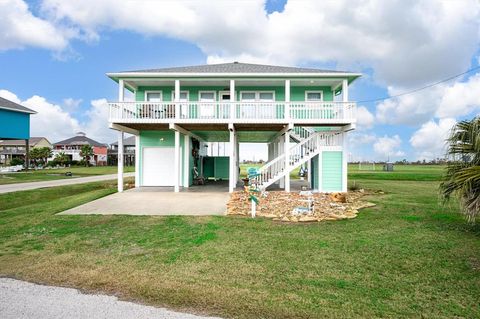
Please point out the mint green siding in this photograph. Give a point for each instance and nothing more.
(332, 163)
(216, 167)
(162, 139)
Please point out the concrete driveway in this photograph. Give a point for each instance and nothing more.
(153, 201)
(8, 188)
(24, 300)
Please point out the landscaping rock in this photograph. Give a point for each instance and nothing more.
(280, 206)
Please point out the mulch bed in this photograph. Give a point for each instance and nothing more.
(280, 206)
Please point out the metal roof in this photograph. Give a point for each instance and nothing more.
(12, 106)
(80, 140)
(32, 141)
(235, 68)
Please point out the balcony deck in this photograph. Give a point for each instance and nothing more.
(299, 113)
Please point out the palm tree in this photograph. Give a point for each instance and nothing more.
(61, 158)
(463, 171)
(86, 152)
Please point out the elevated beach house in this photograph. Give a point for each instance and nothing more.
(303, 114)
(15, 123)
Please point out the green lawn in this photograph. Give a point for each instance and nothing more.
(53, 174)
(406, 257)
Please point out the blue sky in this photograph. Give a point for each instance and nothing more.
(54, 55)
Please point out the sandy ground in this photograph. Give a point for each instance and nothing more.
(20, 299)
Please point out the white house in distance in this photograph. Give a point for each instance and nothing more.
(303, 114)
(72, 147)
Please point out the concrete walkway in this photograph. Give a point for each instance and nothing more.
(153, 201)
(24, 300)
(8, 188)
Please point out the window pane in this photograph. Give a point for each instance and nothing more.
(183, 96)
(314, 96)
(266, 96)
(248, 96)
(153, 96)
(207, 96)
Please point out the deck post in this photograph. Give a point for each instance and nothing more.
(344, 162)
(176, 164)
(237, 164)
(186, 163)
(137, 160)
(177, 99)
(232, 160)
(287, 161)
(345, 90)
(232, 99)
(287, 99)
(27, 155)
(281, 149)
(120, 162)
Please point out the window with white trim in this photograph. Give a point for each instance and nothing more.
(153, 96)
(314, 96)
(257, 96)
(206, 96)
(183, 96)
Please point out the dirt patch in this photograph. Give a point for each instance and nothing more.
(297, 207)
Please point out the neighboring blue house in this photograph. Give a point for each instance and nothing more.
(14, 122)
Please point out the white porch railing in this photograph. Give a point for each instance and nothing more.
(154, 112)
(298, 154)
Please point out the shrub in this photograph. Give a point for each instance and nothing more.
(17, 161)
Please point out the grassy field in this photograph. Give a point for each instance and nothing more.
(53, 174)
(408, 257)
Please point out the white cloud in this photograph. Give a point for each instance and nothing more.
(429, 140)
(461, 98)
(53, 122)
(21, 28)
(388, 147)
(71, 105)
(407, 42)
(442, 101)
(365, 119)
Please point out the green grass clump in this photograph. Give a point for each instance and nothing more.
(406, 257)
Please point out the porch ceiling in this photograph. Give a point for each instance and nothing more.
(243, 136)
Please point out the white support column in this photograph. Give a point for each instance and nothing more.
(186, 161)
(237, 168)
(344, 163)
(281, 149)
(121, 90)
(345, 90)
(287, 161)
(287, 99)
(137, 160)
(120, 162)
(232, 99)
(177, 99)
(176, 164)
(231, 178)
(309, 171)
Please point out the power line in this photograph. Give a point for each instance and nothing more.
(420, 88)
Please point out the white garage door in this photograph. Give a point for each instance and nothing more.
(158, 166)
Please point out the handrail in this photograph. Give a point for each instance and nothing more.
(298, 154)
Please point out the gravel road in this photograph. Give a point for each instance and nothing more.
(20, 299)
